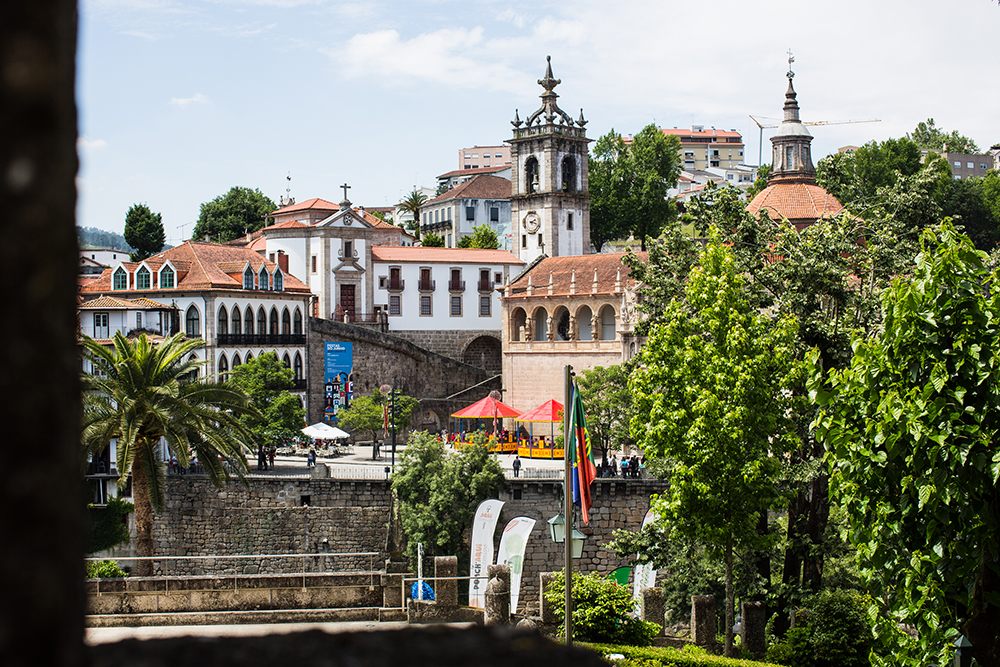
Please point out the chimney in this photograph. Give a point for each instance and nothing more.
(283, 261)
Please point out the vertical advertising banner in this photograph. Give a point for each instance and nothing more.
(483, 526)
(643, 574)
(511, 551)
(338, 378)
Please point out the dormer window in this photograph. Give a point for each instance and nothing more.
(248, 278)
(279, 281)
(142, 278)
(166, 278)
(264, 281)
(120, 279)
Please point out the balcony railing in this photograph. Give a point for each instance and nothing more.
(485, 286)
(396, 285)
(260, 339)
(300, 384)
(426, 285)
(456, 285)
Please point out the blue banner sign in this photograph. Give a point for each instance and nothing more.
(338, 378)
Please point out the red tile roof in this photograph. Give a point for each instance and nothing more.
(682, 132)
(201, 266)
(796, 202)
(106, 302)
(314, 203)
(479, 187)
(471, 172)
(560, 270)
(444, 255)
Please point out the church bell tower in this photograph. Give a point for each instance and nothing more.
(550, 195)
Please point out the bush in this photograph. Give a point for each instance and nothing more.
(649, 656)
(836, 632)
(104, 569)
(108, 524)
(602, 610)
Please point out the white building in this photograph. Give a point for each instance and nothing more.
(105, 256)
(482, 200)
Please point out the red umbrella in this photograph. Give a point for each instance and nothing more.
(549, 411)
(487, 408)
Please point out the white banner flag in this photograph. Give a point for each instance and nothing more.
(483, 526)
(643, 574)
(511, 551)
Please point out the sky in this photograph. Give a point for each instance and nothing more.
(179, 100)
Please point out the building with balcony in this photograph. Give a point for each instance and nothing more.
(701, 148)
(482, 200)
(241, 304)
(450, 179)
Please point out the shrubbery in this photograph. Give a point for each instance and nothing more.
(835, 632)
(690, 656)
(104, 569)
(602, 610)
(108, 524)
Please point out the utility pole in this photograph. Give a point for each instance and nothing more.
(392, 422)
(568, 505)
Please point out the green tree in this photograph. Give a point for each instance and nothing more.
(763, 173)
(144, 231)
(366, 413)
(929, 136)
(710, 401)
(432, 240)
(603, 610)
(439, 490)
(411, 204)
(911, 428)
(232, 215)
(140, 393)
(629, 183)
(482, 236)
(855, 177)
(279, 415)
(605, 393)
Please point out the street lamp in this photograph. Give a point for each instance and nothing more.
(557, 528)
(577, 543)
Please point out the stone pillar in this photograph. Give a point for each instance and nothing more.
(544, 608)
(446, 591)
(497, 595)
(703, 619)
(651, 606)
(752, 630)
(392, 592)
(319, 471)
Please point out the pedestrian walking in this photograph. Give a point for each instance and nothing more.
(270, 457)
(624, 466)
(634, 467)
(517, 466)
(614, 466)
(261, 460)
(311, 458)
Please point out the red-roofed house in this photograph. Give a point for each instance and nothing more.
(241, 304)
(482, 200)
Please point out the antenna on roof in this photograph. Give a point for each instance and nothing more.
(287, 198)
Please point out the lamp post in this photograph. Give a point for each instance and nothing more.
(568, 504)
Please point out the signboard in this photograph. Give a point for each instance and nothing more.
(338, 379)
(512, 545)
(483, 526)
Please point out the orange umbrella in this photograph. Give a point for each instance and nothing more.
(487, 408)
(549, 411)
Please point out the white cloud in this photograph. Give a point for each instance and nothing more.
(85, 144)
(508, 15)
(197, 98)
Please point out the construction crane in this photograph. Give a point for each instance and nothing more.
(759, 121)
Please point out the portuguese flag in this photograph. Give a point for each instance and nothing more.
(581, 456)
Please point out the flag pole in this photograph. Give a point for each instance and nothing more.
(568, 502)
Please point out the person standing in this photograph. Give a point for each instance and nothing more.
(311, 458)
(624, 466)
(614, 466)
(270, 457)
(517, 466)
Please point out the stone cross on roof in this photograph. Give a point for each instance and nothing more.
(347, 202)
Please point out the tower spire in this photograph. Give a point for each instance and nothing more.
(792, 159)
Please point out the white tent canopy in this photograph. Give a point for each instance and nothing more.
(323, 431)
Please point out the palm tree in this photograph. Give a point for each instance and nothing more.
(140, 392)
(412, 204)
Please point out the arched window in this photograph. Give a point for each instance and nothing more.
(248, 278)
(194, 360)
(264, 280)
(261, 321)
(541, 322)
(192, 322)
(789, 157)
(517, 322)
(237, 321)
(120, 280)
(531, 183)
(286, 360)
(607, 317)
(166, 278)
(568, 183)
(249, 357)
(236, 360)
(223, 327)
(297, 366)
(223, 367)
(274, 321)
(584, 323)
(248, 320)
(143, 278)
(560, 320)
(279, 281)
(297, 322)
(286, 322)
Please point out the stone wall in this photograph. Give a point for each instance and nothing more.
(477, 348)
(268, 518)
(382, 358)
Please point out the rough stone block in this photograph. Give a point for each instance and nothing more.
(752, 630)
(447, 589)
(497, 595)
(545, 609)
(651, 606)
(703, 619)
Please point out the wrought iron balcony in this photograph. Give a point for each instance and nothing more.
(260, 339)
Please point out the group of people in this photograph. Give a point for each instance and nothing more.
(265, 457)
(629, 467)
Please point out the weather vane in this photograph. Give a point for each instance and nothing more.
(791, 59)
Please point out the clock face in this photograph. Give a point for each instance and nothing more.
(531, 222)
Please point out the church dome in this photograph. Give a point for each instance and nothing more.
(800, 203)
